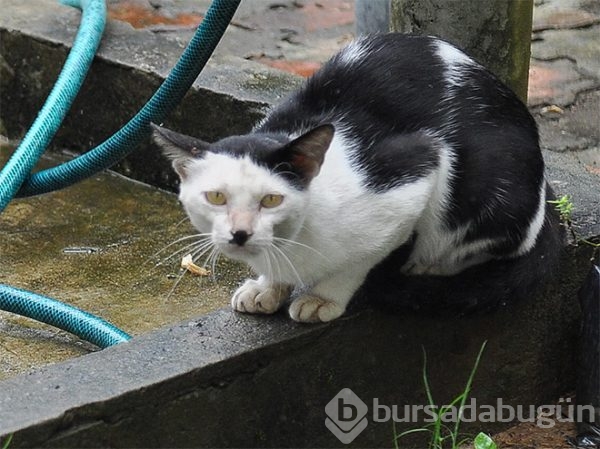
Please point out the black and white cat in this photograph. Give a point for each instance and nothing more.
(398, 140)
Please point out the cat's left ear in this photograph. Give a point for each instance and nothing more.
(179, 148)
(308, 150)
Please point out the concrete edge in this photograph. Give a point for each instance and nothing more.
(158, 357)
(270, 378)
(141, 49)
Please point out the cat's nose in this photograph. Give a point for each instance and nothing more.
(240, 237)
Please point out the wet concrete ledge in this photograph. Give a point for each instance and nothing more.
(232, 380)
(228, 380)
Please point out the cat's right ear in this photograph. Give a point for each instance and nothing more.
(308, 150)
(179, 148)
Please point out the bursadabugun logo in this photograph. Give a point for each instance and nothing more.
(346, 415)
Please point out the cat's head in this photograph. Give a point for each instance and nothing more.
(246, 190)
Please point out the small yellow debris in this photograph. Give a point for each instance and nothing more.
(188, 264)
(552, 109)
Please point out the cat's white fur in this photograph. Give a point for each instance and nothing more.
(324, 240)
(328, 262)
(535, 227)
(354, 53)
(456, 63)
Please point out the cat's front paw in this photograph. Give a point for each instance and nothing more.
(255, 297)
(314, 309)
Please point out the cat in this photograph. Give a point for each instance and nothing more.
(398, 141)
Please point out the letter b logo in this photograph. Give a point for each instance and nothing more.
(349, 412)
(346, 415)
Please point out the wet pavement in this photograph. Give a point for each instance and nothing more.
(297, 36)
(564, 96)
(565, 51)
(94, 246)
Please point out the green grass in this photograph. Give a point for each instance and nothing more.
(442, 436)
(6, 443)
(483, 441)
(565, 207)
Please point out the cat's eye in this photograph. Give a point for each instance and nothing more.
(216, 198)
(271, 200)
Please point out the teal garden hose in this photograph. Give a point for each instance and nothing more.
(15, 178)
(168, 95)
(58, 102)
(50, 311)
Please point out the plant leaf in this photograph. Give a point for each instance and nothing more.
(467, 390)
(7, 442)
(483, 441)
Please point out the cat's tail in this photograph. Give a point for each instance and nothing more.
(482, 287)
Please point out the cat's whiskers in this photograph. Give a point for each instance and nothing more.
(180, 222)
(280, 241)
(279, 252)
(213, 266)
(277, 281)
(313, 233)
(211, 260)
(270, 274)
(189, 249)
(179, 278)
(201, 237)
(278, 265)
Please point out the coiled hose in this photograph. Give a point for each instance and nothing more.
(13, 176)
(168, 95)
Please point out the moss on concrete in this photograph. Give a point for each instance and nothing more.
(269, 81)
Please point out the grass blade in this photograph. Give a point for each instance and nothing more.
(467, 389)
(7, 442)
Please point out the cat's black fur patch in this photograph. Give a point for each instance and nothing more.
(493, 138)
(266, 150)
(398, 159)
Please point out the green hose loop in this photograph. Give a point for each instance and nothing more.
(156, 109)
(59, 100)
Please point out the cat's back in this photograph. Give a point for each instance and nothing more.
(376, 75)
(366, 81)
(400, 83)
